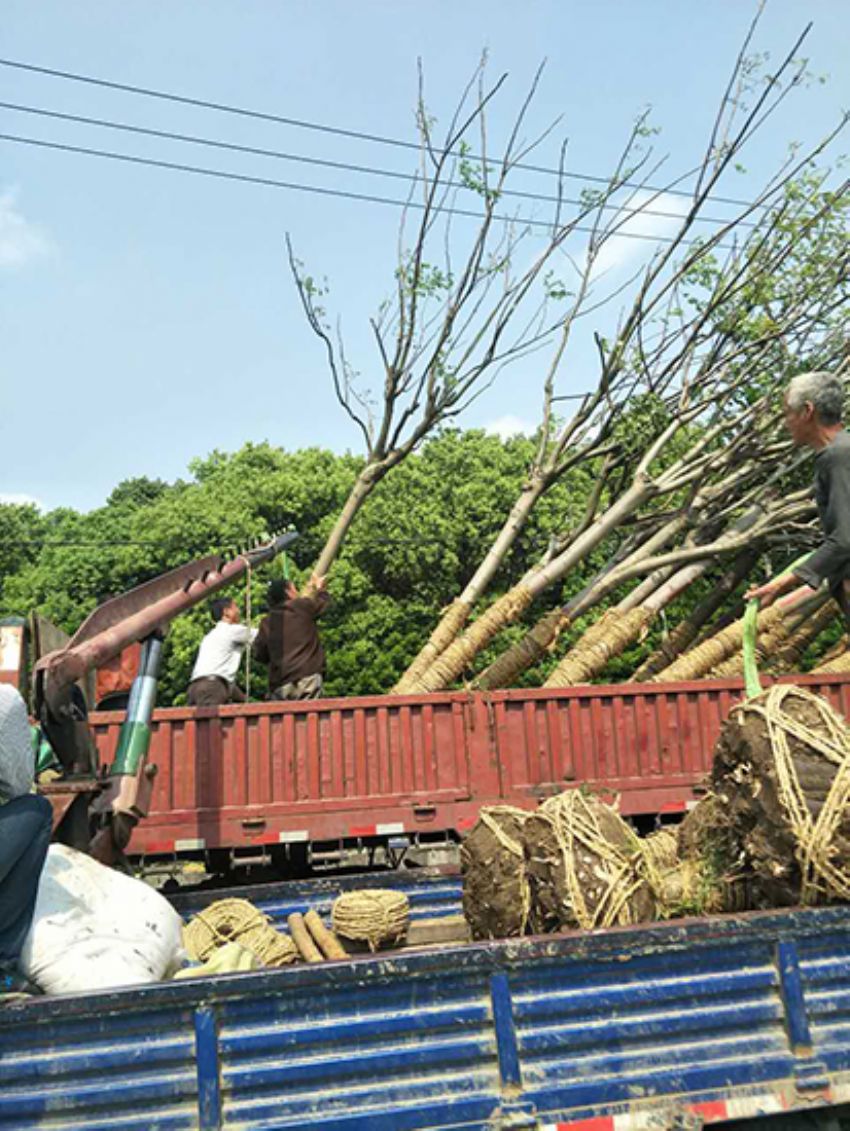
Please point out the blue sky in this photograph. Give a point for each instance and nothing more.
(148, 317)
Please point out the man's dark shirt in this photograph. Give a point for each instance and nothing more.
(288, 640)
(831, 560)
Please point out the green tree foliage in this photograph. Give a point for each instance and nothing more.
(416, 543)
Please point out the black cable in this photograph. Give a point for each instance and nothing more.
(344, 166)
(270, 182)
(241, 111)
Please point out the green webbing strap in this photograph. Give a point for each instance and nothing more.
(752, 683)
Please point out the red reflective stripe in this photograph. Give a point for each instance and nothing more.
(160, 846)
(362, 830)
(596, 1123)
(711, 1109)
(674, 807)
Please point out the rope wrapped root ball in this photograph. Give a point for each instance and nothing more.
(586, 866)
(495, 886)
(237, 920)
(377, 917)
(781, 774)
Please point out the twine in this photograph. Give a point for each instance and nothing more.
(458, 655)
(695, 663)
(377, 917)
(237, 920)
(574, 820)
(607, 637)
(488, 817)
(814, 849)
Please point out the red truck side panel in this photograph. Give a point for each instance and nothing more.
(269, 773)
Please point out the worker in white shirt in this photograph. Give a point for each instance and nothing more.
(213, 679)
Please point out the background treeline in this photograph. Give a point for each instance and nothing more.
(414, 546)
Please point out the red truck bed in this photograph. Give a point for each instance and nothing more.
(378, 766)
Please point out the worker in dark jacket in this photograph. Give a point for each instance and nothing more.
(25, 824)
(288, 640)
(814, 410)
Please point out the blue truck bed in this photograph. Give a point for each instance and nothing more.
(690, 1021)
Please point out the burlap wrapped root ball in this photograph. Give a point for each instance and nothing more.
(237, 920)
(586, 867)
(495, 886)
(378, 917)
(781, 776)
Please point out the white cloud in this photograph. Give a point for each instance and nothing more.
(19, 499)
(21, 241)
(622, 249)
(507, 426)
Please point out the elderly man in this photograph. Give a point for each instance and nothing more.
(25, 825)
(814, 408)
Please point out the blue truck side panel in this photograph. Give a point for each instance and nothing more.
(513, 1034)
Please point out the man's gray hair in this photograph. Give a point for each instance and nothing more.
(822, 390)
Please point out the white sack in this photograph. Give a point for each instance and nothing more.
(95, 928)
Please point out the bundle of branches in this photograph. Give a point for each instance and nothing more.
(781, 779)
(496, 900)
(586, 866)
(469, 299)
(700, 335)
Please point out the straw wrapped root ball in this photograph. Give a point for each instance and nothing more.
(495, 887)
(781, 775)
(586, 866)
(237, 920)
(375, 917)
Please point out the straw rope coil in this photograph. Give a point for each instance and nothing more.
(237, 920)
(377, 917)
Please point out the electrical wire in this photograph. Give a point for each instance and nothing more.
(319, 162)
(345, 194)
(320, 127)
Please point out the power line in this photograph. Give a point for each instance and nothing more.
(345, 194)
(298, 123)
(344, 166)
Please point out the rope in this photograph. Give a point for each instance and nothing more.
(514, 847)
(248, 584)
(237, 920)
(575, 820)
(378, 917)
(815, 850)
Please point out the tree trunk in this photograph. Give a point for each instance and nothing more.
(685, 632)
(607, 637)
(836, 660)
(527, 652)
(364, 485)
(790, 653)
(714, 651)
(457, 613)
(462, 651)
